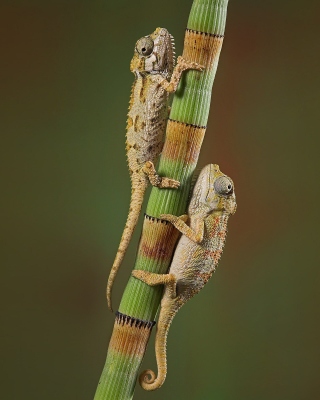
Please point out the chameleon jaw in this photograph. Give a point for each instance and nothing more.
(230, 207)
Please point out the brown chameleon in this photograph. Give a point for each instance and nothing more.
(195, 259)
(155, 77)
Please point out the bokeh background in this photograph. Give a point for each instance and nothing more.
(253, 332)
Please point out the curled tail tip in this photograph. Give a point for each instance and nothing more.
(149, 381)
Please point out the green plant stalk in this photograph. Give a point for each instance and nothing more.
(185, 132)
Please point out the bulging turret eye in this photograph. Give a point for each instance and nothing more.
(144, 46)
(223, 186)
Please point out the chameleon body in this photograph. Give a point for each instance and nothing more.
(195, 259)
(155, 77)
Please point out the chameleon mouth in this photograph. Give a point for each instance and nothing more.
(228, 208)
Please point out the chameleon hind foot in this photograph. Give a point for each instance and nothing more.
(159, 181)
(152, 279)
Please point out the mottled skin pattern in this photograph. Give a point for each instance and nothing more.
(155, 77)
(195, 259)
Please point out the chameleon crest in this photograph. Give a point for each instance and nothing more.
(195, 259)
(155, 77)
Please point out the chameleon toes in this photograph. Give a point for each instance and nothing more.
(147, 277)
(175, 184)
(169, 183)
(198, 67)
(138, 274)
(185, 64)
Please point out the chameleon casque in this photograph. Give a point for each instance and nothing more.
(195, 258)
(155, 77)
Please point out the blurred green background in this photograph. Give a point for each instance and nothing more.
(253, 332)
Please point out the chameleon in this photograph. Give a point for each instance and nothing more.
(195, 259)
(155, 78)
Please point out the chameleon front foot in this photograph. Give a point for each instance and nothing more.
(182, 65)
(179, 223)
(174, 219)
(185, 64)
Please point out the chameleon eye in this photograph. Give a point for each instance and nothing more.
(223, 186)
(144, 46)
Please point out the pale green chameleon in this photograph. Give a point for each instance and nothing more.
(195, 258)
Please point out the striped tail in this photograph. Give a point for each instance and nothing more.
(136, 201)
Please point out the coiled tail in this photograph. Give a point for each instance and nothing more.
(148, 379)
(136, 201)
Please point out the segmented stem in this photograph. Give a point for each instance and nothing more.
(184, 136)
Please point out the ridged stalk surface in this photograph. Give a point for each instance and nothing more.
(184, 136)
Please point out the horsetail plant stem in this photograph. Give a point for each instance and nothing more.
(184, 135)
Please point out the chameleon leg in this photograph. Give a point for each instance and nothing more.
(156, 180)
(195, 235)
(152, 279)
(182, 65)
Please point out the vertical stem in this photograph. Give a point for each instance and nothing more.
(184, 136)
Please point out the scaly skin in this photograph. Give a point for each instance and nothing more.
(153, 65)
(195, 259)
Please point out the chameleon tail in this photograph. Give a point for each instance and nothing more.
(136, 201)
(148, 379)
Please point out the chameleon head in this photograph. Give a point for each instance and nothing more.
(213, 191)
(154, 54)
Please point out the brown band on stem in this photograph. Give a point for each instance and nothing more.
(123, 319)
(202, 48)
(183, 142)
(130, 335)
(157, 239)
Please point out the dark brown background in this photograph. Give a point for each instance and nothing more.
(253, 333)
